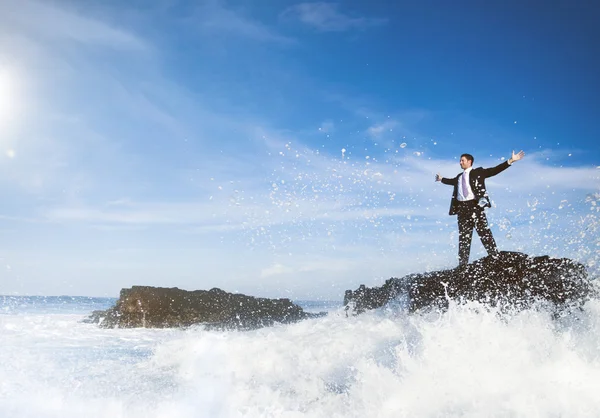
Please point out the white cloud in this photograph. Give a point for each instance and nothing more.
(215, 17)
(275, 270)
(319, 188)
(331, 265)
(378, 130)
(327, 127)
(49, 22)
(327, 17)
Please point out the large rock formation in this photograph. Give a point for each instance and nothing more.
(509, 279)
(155, 307)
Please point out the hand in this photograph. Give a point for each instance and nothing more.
(438, 177)
(516, 157)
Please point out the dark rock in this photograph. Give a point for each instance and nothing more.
(509, 279)
(156, 307)
(95, 317)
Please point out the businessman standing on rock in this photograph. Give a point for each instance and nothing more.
(469, 200)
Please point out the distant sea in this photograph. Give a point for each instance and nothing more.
(470, 361)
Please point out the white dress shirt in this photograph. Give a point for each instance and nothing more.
(470, 195)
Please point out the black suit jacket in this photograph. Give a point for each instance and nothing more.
(476, 181)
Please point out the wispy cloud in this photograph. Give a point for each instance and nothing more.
(327, 17)
(49, 22)
(327, 127)
(275, 269)
(299, 185)
(378, 130)
(215, 17)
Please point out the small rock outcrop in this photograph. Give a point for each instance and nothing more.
(509, 279)
(156, 307)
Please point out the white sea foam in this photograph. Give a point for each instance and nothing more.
(467, 362)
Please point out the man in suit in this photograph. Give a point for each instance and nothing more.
(469, 200)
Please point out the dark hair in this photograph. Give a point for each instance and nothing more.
(468, 157)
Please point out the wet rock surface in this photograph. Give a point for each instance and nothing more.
(511, 278)
(156, 307)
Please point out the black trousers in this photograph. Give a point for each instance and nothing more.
(470, 215)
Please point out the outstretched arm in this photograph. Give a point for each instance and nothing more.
(516, 157)
(444, 180)
(489, 172)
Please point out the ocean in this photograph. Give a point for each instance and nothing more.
(470, 361)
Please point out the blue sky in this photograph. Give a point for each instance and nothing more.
(286, 149)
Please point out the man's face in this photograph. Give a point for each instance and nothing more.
(464, 163)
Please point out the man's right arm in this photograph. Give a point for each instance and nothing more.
(444, 180)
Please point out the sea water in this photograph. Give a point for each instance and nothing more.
(470, 361)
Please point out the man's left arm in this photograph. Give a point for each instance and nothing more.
(489, 172)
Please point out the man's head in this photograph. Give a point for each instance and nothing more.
(466, 161)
